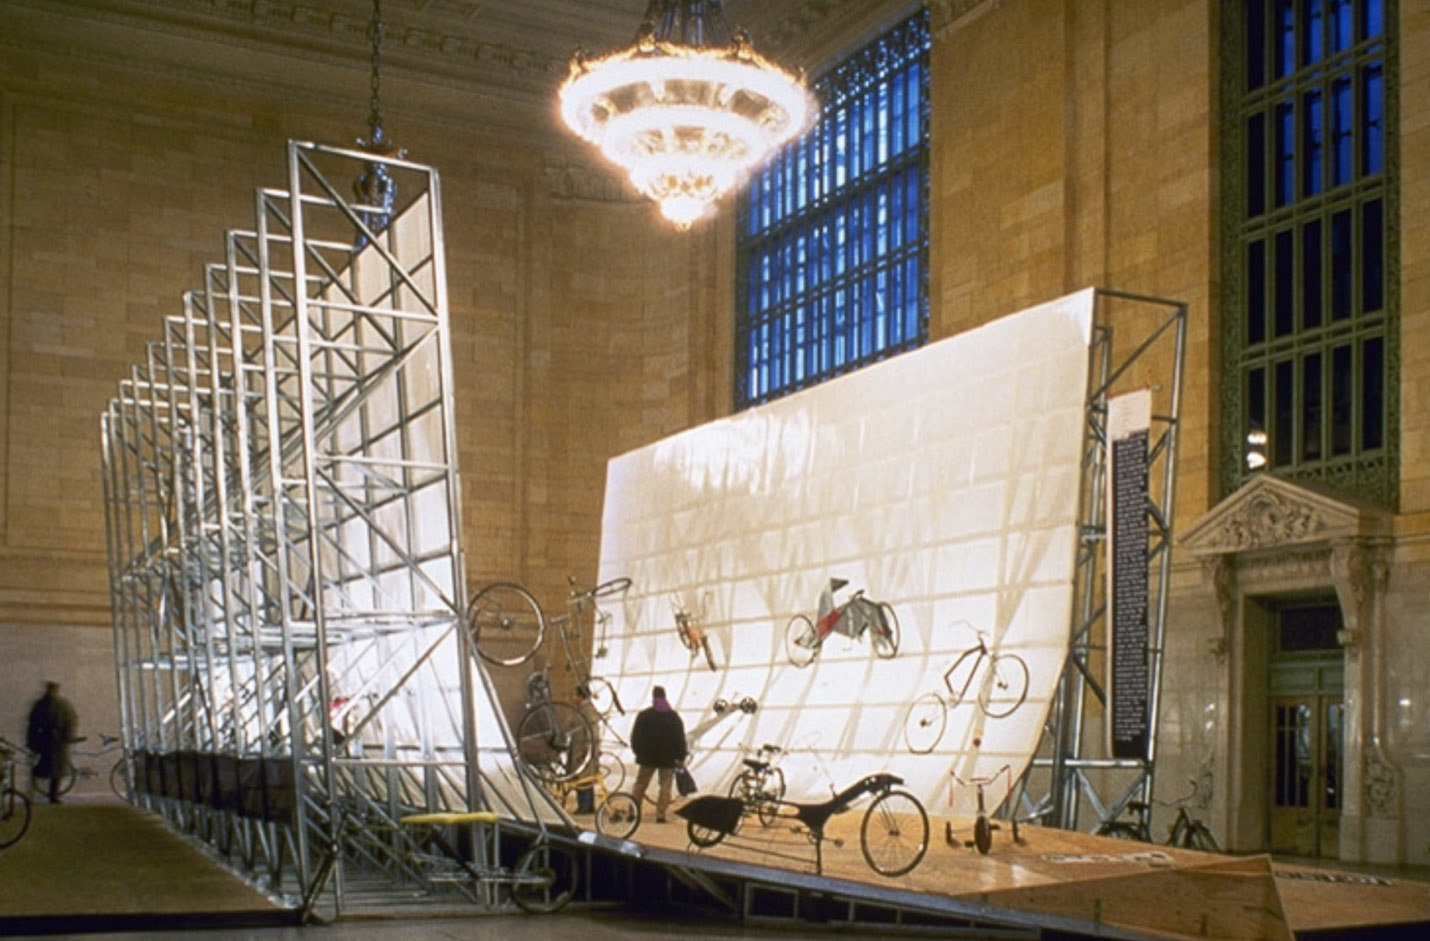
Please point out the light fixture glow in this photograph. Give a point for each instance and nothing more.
(1256, 454)
(688, 109)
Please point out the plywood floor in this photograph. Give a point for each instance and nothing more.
(1064, 878)
(111, 858)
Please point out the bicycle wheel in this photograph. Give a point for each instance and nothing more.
(703, 836)
(894, 834)
(769, 796)
(745, 786)
(982, 834)
(618, 816)
(40, 785)
(1198, 837)
(612, 771)
(507, 624)
(603, 696)
(119, 779)
(554, 741)
(885, 634)
(14, 816)
(800, 641)
(1005, 687)
(545, 879)
(924, 723)
(1121, 830)
(612, 587)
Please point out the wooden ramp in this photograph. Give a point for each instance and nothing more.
(1068, 883)
(109, 865)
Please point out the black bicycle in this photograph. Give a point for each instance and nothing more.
(1186, 831)
(894, 834)
(14, 805)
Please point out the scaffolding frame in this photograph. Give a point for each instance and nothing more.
(283, 524)
(1072, 772)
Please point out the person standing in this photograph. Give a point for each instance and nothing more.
(658, 739)
(51, 729)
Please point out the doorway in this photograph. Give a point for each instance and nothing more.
(1306, 692)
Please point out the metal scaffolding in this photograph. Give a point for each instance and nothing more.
(284, 533)
(1138, 343)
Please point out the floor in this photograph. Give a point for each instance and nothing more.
(95, 857)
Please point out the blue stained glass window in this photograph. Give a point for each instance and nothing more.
(1372, 118)
(1342, 133)
(832, 243)
(1310, 346)
(1312, 32)
(1285, 27)
(1342, 25)
(1313, 143)
(1285, 153)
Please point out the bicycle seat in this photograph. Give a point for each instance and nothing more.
(815, 816)
(1138, 807)
(759, 766)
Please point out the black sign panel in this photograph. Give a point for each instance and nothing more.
(1128, 669)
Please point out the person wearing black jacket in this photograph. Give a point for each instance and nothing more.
(50, 731)
(658, 739)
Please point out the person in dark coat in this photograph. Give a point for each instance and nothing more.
(51, 729)
(658, 739)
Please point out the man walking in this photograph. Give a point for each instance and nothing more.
(51, 729)
(658, 739)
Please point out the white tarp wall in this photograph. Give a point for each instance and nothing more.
(944, 481)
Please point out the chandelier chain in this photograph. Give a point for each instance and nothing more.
(375, 103)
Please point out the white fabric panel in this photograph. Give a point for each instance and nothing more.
(944, 481)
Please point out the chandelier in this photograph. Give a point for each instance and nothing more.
(688, 109)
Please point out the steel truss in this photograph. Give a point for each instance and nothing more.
(1138, 342)
(284, 536)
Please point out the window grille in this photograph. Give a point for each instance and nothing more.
(832, 243)
(1310, 315)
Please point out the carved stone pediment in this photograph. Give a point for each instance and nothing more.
(1271, 513)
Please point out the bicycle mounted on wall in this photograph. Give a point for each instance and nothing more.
(853, 618)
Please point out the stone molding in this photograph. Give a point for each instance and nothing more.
(1273, 513)
(1274, 536)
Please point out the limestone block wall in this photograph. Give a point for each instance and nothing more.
(581, 328)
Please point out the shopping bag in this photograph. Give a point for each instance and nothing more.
(684, 781)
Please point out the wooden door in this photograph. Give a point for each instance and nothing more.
(1307, 734)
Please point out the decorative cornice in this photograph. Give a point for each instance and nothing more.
(1269, 512)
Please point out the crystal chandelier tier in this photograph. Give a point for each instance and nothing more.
(688, 109)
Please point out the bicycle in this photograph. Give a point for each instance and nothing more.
(893, 835)
(617, 813)
(691, 630)
(553, 739)
(1186, 831)
(804, 638)
(983, 825)
(1003, 687)
(761, 784)
(14, 805)
(509, 626)
(118, 774)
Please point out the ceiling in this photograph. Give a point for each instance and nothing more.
(519, 46)
(493, 64)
